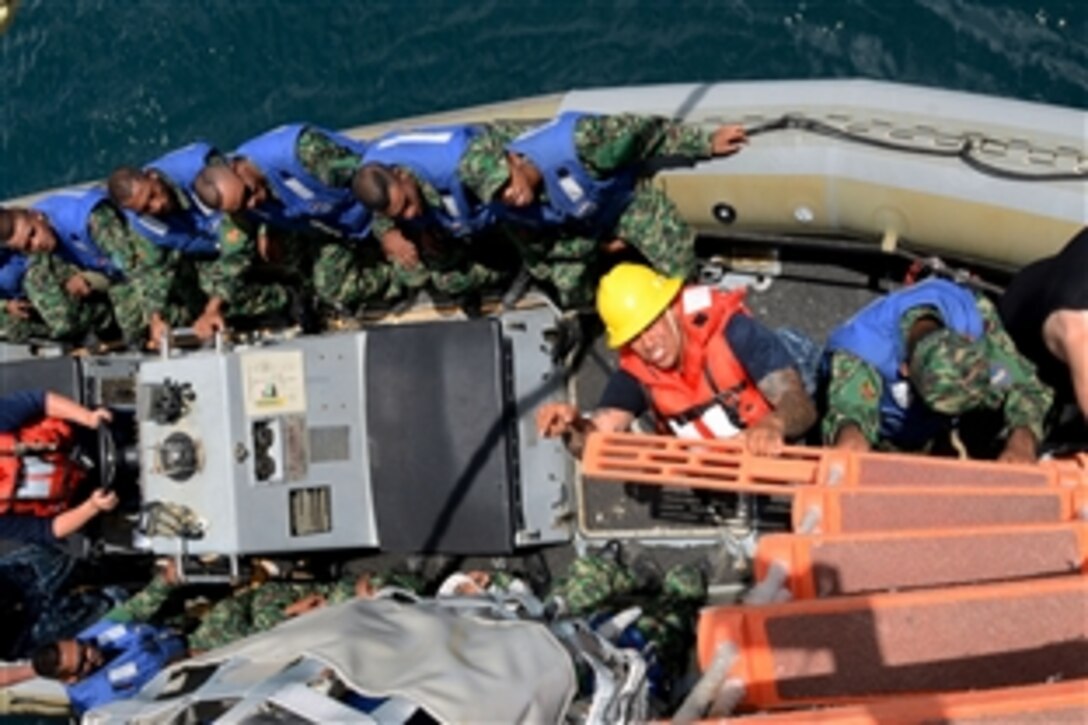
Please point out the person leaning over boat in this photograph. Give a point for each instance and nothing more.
(161, 205)
(89, 268)
(908, 365)
(116, 656)
(294, 181)
(580, 172)
(696, 358)
(1045, 310)
(424, 216)
(21, 514)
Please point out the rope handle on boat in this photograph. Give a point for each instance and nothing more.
(966, 152)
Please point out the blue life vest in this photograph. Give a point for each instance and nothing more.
(304, 201)
(873, 335)
(574, 195)
(133, 654)
(12, 269)
(193, 231)
(433, 153)
(69, 213)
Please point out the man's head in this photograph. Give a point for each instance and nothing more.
(635, 304)
(143, 192)
(496, 174)
(26, 231)
(67, 660)
(231, 188)
(950, 371)
(523, 185)
(388, 190)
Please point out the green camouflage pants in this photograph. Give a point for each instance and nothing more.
(67, 318)
(262, 607)
(569, 263)
(347, 275)
(450, 268)
(17, 329)
(652, 224)
(596, 584)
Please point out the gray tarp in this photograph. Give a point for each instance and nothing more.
(459, 667)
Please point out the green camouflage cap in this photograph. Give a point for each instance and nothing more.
(950, 372)
(483, 166)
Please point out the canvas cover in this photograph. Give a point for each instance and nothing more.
(460, 664)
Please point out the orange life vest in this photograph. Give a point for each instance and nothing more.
(708, 394)
(39, 480)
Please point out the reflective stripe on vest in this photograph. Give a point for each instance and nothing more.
(709, 394)
(38, 483)
(433, 154)
(69, 213)
(573, 191)
(303, 196)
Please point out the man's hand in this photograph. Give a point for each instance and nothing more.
(18, 309)
(766, 437)
(210, 322)
(1020, 447)
(306, 604)
(77, 286)
(556, 419)
(727, 140)
(102, 500)
(168, 570)
(851, 438)
(157, 329)
(97, 417)
(613, 246)
(399, 249)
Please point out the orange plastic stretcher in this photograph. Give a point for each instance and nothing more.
(832, 510)
(846, 649)
(1057, 702)
(833, 565)
(725, 465)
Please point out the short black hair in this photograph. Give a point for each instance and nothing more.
(120, 182)
(46, 660)
(7, 224)
(371, 186)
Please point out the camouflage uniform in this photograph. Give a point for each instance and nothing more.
(449, 264)
(650, 223)
(143, 605)
(234, 276)
(596, 584)
(64, 318)
(346, 273)
(16, 329)
(156, 280)
(262, 607)
(855, 387)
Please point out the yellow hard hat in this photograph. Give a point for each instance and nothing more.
(630, 297)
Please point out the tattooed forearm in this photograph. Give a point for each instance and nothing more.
(784, 390)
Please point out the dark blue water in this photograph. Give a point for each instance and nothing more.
(88, 84)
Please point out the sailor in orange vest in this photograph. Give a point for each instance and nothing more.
(36, 477)
(693, 356)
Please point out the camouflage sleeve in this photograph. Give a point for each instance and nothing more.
(329, 162)
(143, 605)
(224, 276)
(853, 396)
(606, 143)
(149, 269)
(44, 285)
(380, 224)
(1028, 399)
(340, 591)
